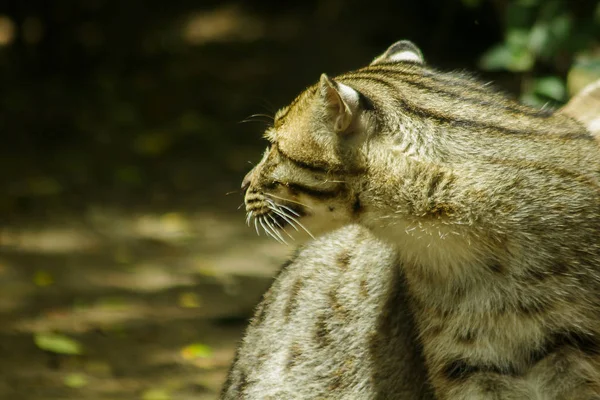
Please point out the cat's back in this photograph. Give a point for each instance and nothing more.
(335, 324)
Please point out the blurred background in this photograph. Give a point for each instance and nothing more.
(126, 269)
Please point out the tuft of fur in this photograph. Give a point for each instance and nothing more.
(492, 206)
(335, 324)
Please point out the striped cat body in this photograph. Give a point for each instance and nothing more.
(493, 207)
(335, 324)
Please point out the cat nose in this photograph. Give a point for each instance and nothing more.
(246, 182)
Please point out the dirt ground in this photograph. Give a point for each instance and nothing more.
(156, 302)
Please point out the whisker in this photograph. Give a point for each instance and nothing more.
(248, 217)
(267, 105)
(285, 217)
(289, 209)
(303, 227)
(279, 206)
(275, 231)
(240, 206)
(280, 227)
(254, 120)
(258, 118)
(267, 231)
(290, 219)
(267, 116)
(291, 201)
(271, 235)
(256, 226)
(232, 192)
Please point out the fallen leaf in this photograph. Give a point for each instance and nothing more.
(57, 343)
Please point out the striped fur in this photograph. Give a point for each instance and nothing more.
(494, 208)
(334, 325)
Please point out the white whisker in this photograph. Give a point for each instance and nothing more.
(288, 200)
(273, 236)
(286, 217)
(303, 227)
(274, 230)
(283, 213)
(267, 231)
(280, 206)
(280, 227)
(289, 209)
(256, 226)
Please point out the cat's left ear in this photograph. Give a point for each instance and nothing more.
(401, 51)
(342, 103)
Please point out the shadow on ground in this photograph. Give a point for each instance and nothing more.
(157, 302)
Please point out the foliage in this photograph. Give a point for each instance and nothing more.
(542, 39)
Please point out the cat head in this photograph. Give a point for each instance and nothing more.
(310, 175)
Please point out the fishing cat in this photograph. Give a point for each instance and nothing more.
(335, 324)
(493, 208)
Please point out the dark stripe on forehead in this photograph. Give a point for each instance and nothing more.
(457, 80)
(322, 194)
(320, 168)
(452, 119)
(426, 83)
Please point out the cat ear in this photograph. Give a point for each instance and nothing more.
(401, 51)
(342, 102)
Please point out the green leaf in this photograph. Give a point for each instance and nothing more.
(532, 99)
(517, 38)
(498, 57)
(522, 60)
(57, 343)
(76, 380)
(504, 57)
(539, 37)
(561, 27)
(551, 87)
